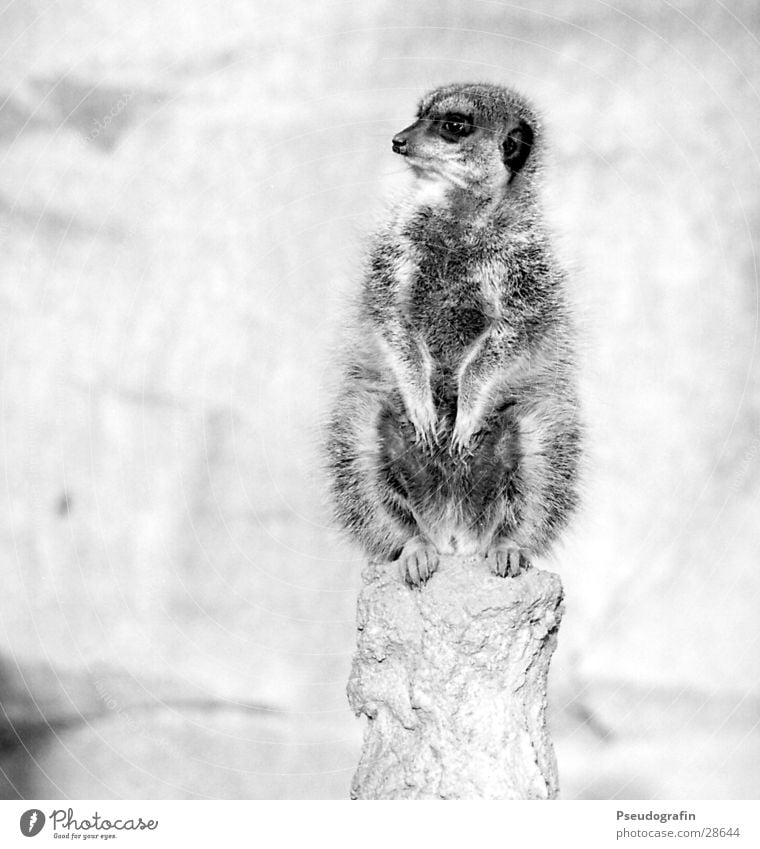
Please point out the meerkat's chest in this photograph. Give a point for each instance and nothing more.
(445, 305)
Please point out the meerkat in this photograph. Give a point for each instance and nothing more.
(456, 427)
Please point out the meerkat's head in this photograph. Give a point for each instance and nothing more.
(477, 137)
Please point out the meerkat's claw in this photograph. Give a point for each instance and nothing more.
(507, 559)
(428, 438)
(418, 561)
(459, 445)
(456, 447)
(425, 423)
(464, 429)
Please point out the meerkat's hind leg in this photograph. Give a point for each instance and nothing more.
(507, 559)
(419, 559)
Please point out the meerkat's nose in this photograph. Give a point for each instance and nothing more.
(399, 143)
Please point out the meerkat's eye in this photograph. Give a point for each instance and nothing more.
(454, 127)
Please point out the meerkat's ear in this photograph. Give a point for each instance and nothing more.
(517, 146)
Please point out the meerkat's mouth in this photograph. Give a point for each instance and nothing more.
(422, 166)
(434, 172)
(424, 169)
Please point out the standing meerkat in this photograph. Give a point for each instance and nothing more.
(456, 427)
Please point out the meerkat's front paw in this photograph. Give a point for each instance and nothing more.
(465, 428)
(418, 561)
(425, 421)
(507, 559)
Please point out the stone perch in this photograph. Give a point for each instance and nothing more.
(452, 678)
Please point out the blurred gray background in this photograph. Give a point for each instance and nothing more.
(185, 191)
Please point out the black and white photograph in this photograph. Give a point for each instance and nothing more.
(379, 402)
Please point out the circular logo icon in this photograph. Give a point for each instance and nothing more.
(31, 822)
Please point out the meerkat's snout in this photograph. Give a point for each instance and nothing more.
(401, 141)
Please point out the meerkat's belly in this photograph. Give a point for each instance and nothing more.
(456, 499)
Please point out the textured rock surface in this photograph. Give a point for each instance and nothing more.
(452, 678)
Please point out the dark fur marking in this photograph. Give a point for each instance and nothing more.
(517, 147)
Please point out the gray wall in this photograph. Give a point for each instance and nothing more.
(183, 203)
